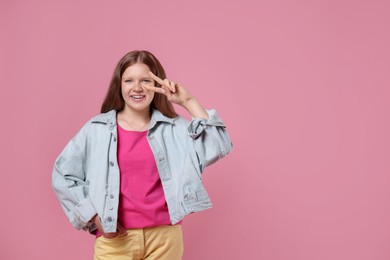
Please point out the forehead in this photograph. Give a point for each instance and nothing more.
(137, 69)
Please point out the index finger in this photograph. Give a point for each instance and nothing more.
(157, 79)
(156, 89)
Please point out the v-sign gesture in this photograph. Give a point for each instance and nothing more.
(177, 94)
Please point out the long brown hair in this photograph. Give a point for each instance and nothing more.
(114, 99)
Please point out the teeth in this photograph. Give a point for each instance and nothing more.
(137, 97)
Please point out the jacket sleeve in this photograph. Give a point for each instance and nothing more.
(210, 139)
(71, 187)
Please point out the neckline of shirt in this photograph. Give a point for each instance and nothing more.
(120, 128)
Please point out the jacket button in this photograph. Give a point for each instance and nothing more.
(109, 219)
(114, 139)
(112, 196)
(111, 208)
(112, 163)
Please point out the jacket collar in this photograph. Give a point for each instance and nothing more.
(157, 116)
(110, 118)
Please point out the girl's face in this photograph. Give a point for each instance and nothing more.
(134, 80)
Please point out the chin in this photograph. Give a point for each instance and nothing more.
(139, 108)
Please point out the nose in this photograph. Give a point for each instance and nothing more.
(138, 87)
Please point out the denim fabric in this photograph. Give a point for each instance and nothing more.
(86, 174)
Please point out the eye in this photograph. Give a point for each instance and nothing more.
(147, 82)
(128, 80)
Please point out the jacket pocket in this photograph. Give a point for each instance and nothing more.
(195, 199)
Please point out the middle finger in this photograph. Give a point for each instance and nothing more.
(165, 82)
(157, 79)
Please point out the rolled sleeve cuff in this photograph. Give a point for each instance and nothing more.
(198, 125)
(83, 213)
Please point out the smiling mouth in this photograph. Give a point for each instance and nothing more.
(137, 97)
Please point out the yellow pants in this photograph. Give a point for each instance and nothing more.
(163, 242)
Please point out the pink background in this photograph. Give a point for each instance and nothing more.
(303, 87)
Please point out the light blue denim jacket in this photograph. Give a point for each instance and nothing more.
(86, 174)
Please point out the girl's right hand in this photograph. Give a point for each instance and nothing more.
(120, 229)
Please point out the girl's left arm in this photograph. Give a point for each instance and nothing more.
(210, 139)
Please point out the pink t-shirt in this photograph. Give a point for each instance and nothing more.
(141, 200)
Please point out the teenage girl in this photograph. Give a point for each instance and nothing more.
(132, 173)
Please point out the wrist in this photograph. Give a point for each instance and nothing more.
(195, 109)
(188, 103)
